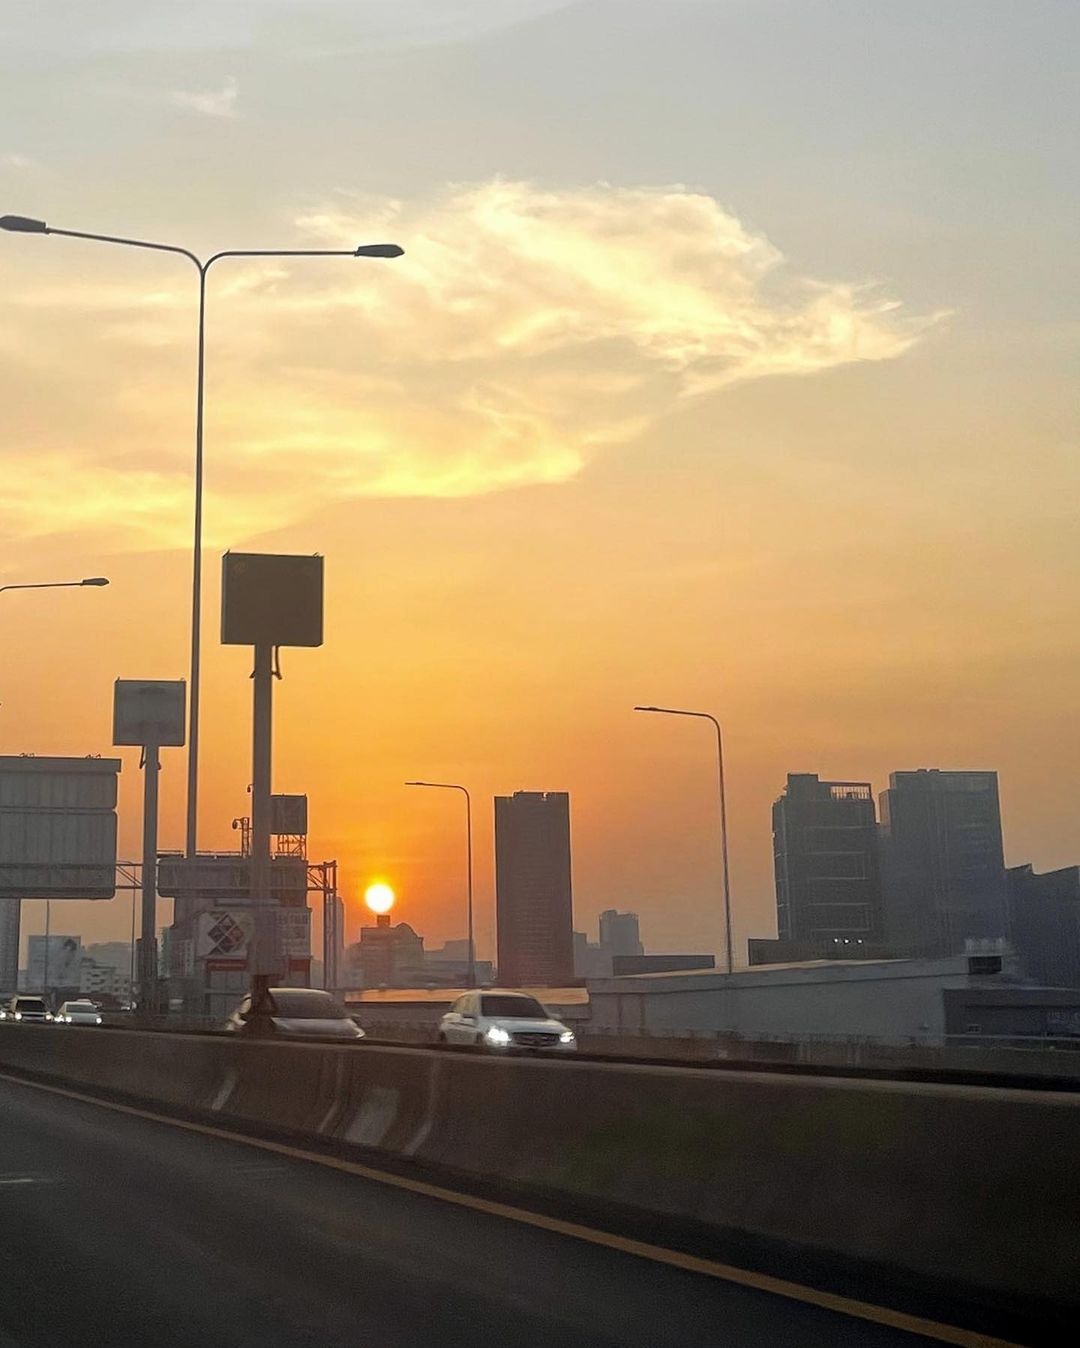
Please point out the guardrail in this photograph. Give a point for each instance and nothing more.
(944, 1186)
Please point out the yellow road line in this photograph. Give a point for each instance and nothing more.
(761, 1282)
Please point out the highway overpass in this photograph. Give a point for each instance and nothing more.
(175, 1189)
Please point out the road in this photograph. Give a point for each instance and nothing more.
(125, 1231)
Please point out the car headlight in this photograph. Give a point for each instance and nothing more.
(497, 1035)
(97, 1020)
(18, 1015)
(48, 1015)
(567, 1037)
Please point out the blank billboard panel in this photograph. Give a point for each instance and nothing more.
(58, 828)
(272, 600)
(149, 711)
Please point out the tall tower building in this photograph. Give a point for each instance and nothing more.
(533, 902)
(942, 861)
(825, 861)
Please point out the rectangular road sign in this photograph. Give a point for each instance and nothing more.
(149, 711)
(58, 827)
(270, 599)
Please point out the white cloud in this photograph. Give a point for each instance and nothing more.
(209, 102)
(524, 332)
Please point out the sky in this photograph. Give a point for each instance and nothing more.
(731, 365)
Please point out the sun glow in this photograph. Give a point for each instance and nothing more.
(379, 897)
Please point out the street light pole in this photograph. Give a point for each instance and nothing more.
(470, 976)
(707, 716)
(20, 224)
(58, 584)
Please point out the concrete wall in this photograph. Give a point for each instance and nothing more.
(972, 1188)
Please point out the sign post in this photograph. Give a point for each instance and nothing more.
(149, 714)
(57, 839)
(267, 601)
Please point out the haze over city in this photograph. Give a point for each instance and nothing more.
(730, 365)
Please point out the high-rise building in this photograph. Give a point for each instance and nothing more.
(533, 891)
(620, 934)
(943, 865)
(1044, 923)
(825, 861)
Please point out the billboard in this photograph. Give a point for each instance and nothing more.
(224, 934)
(271, 600)
(149, 711)
(58, 827)
(288, 816)
(294, 926)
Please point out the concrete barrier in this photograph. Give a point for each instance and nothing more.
(973, 1188)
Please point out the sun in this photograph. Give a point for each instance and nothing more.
(379, 897)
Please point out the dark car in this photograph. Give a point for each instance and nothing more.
(304, 1013)
(28, 1010)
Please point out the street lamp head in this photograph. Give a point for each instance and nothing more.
(22, 224)
(379, 250)
(95, 580)
(648, 708)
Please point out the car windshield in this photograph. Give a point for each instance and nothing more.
(80, 1006)
(29, 1004)
(306, 1005)
(520, 1008)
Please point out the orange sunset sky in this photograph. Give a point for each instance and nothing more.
(731, 365)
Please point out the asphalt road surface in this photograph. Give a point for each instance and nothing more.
(122, 1231)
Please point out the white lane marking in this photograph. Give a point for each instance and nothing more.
(6, 1180)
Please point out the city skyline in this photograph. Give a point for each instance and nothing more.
(775, 424)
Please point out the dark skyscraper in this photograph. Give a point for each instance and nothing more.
(1044, 923)
(532, 884)
(825, 859)
(942, 861)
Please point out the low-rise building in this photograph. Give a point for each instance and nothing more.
(103, 980)
(898, 1001)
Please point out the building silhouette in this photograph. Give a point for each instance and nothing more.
(1044, 923)
(534, 908)
(825, 862)
(943, 866)
(620, 934)
(387, 956)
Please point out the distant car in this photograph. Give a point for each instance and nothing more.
(28, 1010)
(504, 1020)
(301, 1013)
(80, 1012)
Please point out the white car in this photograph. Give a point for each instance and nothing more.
(302, 1013)
(80, 1012)
(504, 1020)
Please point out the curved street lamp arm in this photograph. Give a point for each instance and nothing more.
(369, 250)
(726, 875)
(127, 243)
